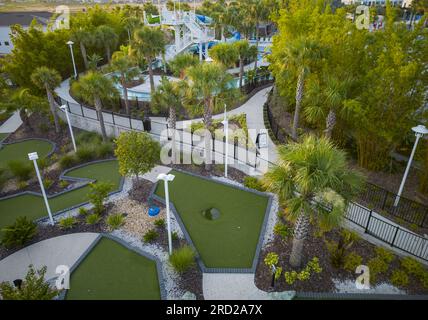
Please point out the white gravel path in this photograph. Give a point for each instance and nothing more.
(348, 286)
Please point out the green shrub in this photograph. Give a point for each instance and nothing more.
(412, 266)
(376, 267)
(85, 153)
(182, 259)
(44, 127)
(290, 277)
(88, 137)
(174, 236)
(399, 278)
(150, 236)
(352, 261)
(67, 223)
(47, 183)
(67, 161)
(21, 170)
(384, 254)
(160, 223)
(19, 233)
(64, 184)
(22, 185)
(254, 183)
(339, 249)
(282, 230)
(271, 259)
(105, 149)
(93, 219)
(43, 163)
(305, 274)
(99, 192)
(83, 211)
(115, 221)
(33, 287)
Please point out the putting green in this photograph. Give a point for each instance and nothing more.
(111, 271)
(20, 150)
(33, 206)
(231, 240)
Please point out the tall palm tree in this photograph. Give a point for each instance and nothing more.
(326, 101)
(313, 180)
(169, 95)
(181, 62)
(301, 55)
(106, 37)
(245, 51)
(225, 53)
(94, 87)
(209, 86)
(48, 79)
(83, 38)
(93, 61)
(124, 66)
(150, 43)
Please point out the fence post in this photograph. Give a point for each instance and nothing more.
(423, 220)
(130, 122)
(112, 117)
(384, 199)
(68, 106)
(81, 109)
(368, 221)
(395, 235)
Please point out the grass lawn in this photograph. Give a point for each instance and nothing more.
(20, 150)
(111, 271)
(231, 240)
(33, 206)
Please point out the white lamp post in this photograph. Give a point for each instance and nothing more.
(65, 109)
(419, 131)
(33, 157)
(70, 44)
(226, 133)
(167, 178)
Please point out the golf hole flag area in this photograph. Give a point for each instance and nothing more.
(32, 205)
(231, 240)
(110, 271)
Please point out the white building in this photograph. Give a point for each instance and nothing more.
(401, 3)
(8, 19)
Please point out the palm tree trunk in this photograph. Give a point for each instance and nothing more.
(98, 106)
(222, 34)
(172, 123)
(53, 109)
(125, 95)
(84, 55)
(299, 97)
(257, 46)
(300, 234)
(241, 71)
(108, 54)
(24, 117)
(152, 82)
(208, 137)
(330, 123)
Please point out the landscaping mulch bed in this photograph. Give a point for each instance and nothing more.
(322, 282)
(48, 231)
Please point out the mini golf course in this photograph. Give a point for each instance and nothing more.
(229, 241)
(111, 271)
(20, 150)
(33, 206)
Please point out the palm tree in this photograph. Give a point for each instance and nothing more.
(83, 38)
(225, 53)
(326, 101)
(313, 180)
(169, 95)
(245, 51)
(124, 66)
(150, 43)
(301, 55)
(209, 86)
(181, 62)
(93, 61)
(94, 87)
(48, 79)
(107, 38)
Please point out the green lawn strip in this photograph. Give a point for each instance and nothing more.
(111, 271)
(33, 206)
(20, 150)
(231, 240)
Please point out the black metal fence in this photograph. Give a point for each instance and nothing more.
(278, 132)
(383, 200)
(392, 234)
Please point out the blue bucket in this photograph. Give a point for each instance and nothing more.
(154, 211)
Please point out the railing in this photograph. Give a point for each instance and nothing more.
(278, 132)
(383, 200)
(392, 234)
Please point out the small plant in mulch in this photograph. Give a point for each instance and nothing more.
(93, 218)
(304, 274)
(150, 236)
(159, 223)
(115, 221)
(19, 233)
(182, 259)
(67, 223)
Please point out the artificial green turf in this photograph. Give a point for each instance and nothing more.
(111, 271)
(231, 240)
(33, 206)
(20, 150)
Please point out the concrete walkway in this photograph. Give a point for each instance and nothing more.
(11, 124)
(63, 91)
(62, 250)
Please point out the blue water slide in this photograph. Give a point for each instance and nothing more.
(204, 19)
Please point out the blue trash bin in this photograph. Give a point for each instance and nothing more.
(154, 211)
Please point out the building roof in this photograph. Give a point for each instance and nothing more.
(23, 18)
